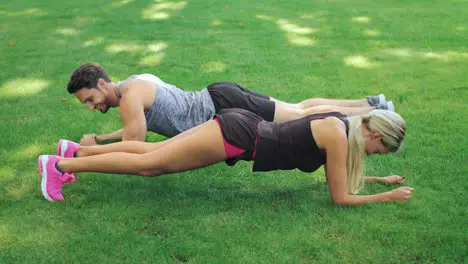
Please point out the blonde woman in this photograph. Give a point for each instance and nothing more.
(329, 139)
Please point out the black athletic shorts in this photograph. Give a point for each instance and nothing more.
(239, 128)
(230, 95)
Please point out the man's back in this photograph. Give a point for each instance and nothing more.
(173, 110)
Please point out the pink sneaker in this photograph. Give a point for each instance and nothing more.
(67, 148)
(52, 179)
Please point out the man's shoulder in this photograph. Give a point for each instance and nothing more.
(135, 87)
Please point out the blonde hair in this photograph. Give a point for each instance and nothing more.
(392, 128)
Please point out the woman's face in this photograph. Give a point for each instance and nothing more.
(374, 145)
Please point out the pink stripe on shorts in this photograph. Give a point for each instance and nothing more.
(231, 150)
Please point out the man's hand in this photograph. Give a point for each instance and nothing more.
(88, 140)
(394, 179)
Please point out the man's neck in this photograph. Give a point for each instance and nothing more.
(112, 91)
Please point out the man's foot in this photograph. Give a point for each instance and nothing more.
(52, 179)
(387, 106)
(376, 100)
(67, 148)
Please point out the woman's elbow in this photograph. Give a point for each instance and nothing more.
(342, 201)
(339, 201)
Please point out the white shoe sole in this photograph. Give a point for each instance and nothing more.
(63, 148)
(44, 160)
(382, 99)
(390, 106)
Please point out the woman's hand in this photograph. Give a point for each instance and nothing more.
(400, 194)
(394, 179)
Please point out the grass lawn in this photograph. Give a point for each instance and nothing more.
(416, 52)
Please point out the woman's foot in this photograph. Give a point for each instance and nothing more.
(52, 179)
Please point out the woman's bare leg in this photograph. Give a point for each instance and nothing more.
(201, 148)
(284, 114)
(136, 147)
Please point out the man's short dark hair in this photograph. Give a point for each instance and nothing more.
(87, 75)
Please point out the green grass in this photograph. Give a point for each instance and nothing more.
(414, 51)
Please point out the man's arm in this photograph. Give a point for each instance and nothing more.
(132, 114)
(110, 136)
(93, 139)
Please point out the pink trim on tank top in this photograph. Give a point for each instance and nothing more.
(231, 150)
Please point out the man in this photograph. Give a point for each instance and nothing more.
(147, 103)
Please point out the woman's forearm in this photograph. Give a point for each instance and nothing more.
(374, 179)
(363, 199)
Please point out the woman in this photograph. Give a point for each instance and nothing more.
(328, 139)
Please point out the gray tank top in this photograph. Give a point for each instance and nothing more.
(174, 110)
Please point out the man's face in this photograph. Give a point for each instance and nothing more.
(94, 98)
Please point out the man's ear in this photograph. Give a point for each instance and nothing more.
(101, 83)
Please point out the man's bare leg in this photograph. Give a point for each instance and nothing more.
(313, 102)
(284, 114)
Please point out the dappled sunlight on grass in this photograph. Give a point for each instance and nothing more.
(318, 16)
(216, 22)
(7, 173)
(152, 53)
(360, 62)
(133, 47)
(152, 60)
(162, 10)
(399, 52)
(433, 55)
(372, 32)
(296, 35)
(33, 236)
(80, 21)
(443, 56)
(26, 12)
(121, 3)
(157, 47)
(4, 231)
(117, 48)
(361, 19)
(460, 28)
(214, 66)
(301, 40)
(285, 25)
(264, 17)
(22, 87)
(18, 192)
(93, 42)
(156, 58)
(446, 55)
(31, 151)
(67, 31)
